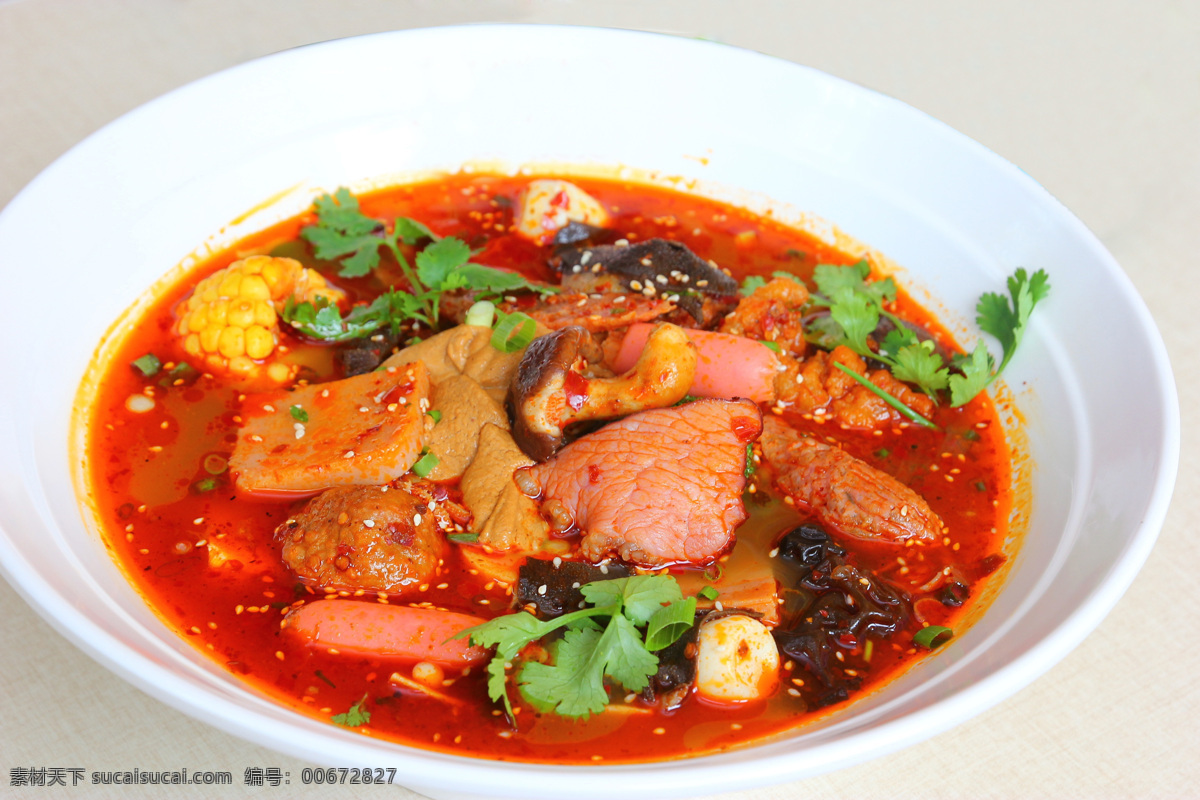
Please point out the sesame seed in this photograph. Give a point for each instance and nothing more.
(542, 589)
(635, 285)
(774, 552)
(268, 407)
(794, 692)
(348, 454)
(416, 519)
(660, 731)
(279, 654)
(661, 279)
(557, 562)
(370, 523)
(198, 521)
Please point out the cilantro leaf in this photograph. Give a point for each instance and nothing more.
(639, 595)
(824, 332)
(322, 319)
(920, 363)
(412, 231)
(343, 230)
(625, 655)
(1007, 322)
(574, 685)
(752, 283)
(897, 338)
(975, 377)
(438, 260)
(353, 718)
(490, 279)
(831, 279)
(857, 315)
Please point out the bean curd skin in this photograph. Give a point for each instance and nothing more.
(207, 561)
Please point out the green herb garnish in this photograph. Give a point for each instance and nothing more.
(182, 374)
(324, 321)
(148, 365)
(772, 346)
(894, 402)
(932, 636)
(463, 538)
(435, 415)
(342, 232)
(298, 414)
(513, 331)
(589, 650)
(709, 593)
(204, 485)
(856, 307)
(425, 464)
(749, 470)
(353, 718)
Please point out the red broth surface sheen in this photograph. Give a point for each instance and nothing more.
(145, 469)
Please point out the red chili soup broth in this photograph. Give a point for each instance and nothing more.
(163, 502)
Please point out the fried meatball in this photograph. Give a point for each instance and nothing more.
(363, 537)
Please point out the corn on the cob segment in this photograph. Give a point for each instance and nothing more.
(230, 320)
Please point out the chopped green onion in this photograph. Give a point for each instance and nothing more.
(749, 461)
(971, 436)
(299, 414)
(714, 576)
(321, 675)
(882, 452)
(215, 464)
(463, 538)
(204, 485)
(481, 314)
(708, 593)
(182, 374)
(980, 486)
(148, 365)
(774, 346)
(513, 332)
(669, 623)
(887, 398)
(932, 636)
(437, 415)
(425, 465)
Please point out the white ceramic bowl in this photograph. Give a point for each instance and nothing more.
(138, 196)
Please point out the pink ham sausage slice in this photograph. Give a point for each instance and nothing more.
(376, 630)
(658, 487)
(727, 366)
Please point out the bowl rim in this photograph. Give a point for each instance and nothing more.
(704, 773)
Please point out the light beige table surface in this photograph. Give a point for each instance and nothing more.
(1099, 101)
